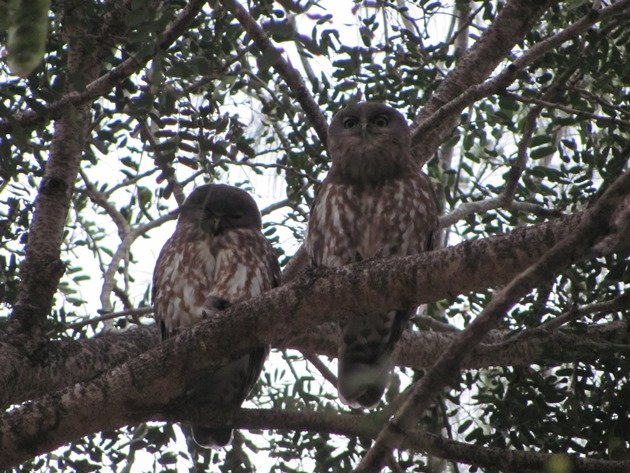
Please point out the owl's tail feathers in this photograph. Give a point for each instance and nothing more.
(207, 437)
(362, 384)
(365, 355)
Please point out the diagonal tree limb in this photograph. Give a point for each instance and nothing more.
(595, 224)
(438, 118)
(291, 76)
(509, 27)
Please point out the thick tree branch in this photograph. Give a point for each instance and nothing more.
(366, 427)
(547, 347)
(595, 225)
(149, 383)
(66, 362)
(470, 266)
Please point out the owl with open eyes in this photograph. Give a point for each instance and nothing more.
(374, 203)
(216, 257)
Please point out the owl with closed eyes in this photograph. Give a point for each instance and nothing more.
(216, 257)
(374, 203)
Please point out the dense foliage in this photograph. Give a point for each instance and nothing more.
(210, 107)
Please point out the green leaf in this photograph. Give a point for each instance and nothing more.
(542, 152)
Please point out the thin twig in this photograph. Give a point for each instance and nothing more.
(110, 316)
(621, 302)
(481, 206)
(567, 109)
(464, 25)
(163, 163)
(322, 368)
(100, 199)
(127, 235)
(275, 206)
(506, 198)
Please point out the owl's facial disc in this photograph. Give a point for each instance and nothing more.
(368, 142)
(215, 208)
(219, 217)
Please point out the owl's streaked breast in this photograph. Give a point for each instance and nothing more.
(232, 266)
(181, 285)
(366, 221)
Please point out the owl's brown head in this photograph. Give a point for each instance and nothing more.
(369, 143)
(215, 208)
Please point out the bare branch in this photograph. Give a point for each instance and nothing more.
(482, 206)
(508, 28)
(322, 368)
(470, 266)
(110, 316)
(121, 253)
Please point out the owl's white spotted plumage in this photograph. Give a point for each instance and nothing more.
(217, 256)
(374, 202)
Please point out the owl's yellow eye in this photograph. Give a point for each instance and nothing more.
(381, 121)
(350, 122)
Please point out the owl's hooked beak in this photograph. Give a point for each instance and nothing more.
(212, 224)
(364, 133)
(217, 224)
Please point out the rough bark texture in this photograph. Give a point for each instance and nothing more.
(69, 362)
(120, 395)
(470, 266)
(42, 267)
(62, 363)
